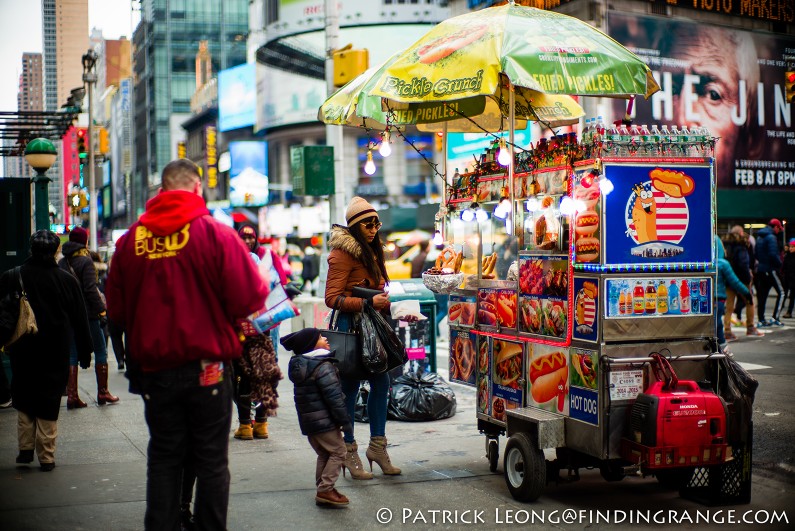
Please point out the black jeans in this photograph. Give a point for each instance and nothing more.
(184, 416)
(768, 281)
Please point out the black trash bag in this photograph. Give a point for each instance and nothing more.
(374, 356)
(390, 342)
(360, 412)
(416, 398)
(737, 387)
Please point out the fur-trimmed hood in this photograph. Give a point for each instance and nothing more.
(342, 239)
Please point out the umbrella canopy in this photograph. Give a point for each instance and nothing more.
(545, 51)
(354, 105)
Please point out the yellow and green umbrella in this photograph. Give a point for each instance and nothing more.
(545, 51)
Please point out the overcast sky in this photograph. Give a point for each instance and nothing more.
(20, 27)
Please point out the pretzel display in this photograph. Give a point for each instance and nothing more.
(446, 258)
(463, 359)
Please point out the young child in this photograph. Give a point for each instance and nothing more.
(321, 408)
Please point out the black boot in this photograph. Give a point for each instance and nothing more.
(25, 457)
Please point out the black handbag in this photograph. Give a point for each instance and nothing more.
(346, 347)
(365, 293)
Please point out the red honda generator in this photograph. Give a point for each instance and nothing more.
(675, 424)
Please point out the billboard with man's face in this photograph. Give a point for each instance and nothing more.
(729, 80)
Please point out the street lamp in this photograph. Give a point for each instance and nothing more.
(40, 154)
(90, 77)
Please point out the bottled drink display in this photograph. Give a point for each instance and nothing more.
(651, 298)
(634, 298)
(684, 297)
(673, 298)
(638, 299)
(662, 299)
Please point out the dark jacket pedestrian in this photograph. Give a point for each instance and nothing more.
(77, 261)
(40, 362)
(738, 251)
(418, 263)
(180, 281)
(310, 265)
(789, 277)
(768, 271)
(321, 408)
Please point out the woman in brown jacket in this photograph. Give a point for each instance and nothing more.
(357, 259)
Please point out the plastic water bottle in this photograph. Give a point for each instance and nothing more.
(624, 140)
(645, 141)
(687, 142)
(613, 299)
(654, 140)
(676, 145)
(665, 141)
(634, 141)
(599, 131)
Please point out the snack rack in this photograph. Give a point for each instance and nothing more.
(599, 263)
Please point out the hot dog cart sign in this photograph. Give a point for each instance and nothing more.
(508, 357)
(484, 364)
(461, 311)
(658, 214)
(586, 305)
(548, 378)
(583, 379)
(543, 288)
(463, 357)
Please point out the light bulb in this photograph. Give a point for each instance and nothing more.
(580, 206)
(504, 156)
(385, 150)
(533, 204)
(502, 209)
(567, 207)
(369, 166)
(437, 238)
(481, 215)
(467, 215)
(606, 185)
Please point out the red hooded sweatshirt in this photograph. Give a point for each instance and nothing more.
(178, 282)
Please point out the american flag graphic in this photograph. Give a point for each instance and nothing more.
(673, 215)
(590, 310)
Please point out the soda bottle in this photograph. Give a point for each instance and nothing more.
(622, 300)
(614, 299)
(673, 298)
(662, 298)
(703, 292)
(651, 298)
(695, 297)
(638, 299)
(684, 295)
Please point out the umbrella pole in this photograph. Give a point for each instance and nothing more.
(511, 191)
(443, 227)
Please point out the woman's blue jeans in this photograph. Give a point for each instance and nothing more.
(377, 399)
(98, 340)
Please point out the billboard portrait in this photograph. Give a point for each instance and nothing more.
(729, 80)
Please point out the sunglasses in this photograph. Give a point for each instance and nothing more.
(372, 225)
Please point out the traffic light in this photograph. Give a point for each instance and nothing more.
(104, 143)
(82, 142)
(439, 138)
(789, 83)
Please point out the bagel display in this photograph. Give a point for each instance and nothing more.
(672, 183)
(549, 375)
(587, 223)
(508, 364)
(586, 249)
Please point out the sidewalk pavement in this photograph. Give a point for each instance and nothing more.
(99, 482)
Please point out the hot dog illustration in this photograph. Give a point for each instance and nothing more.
(447, 45)
(549, 376)
(672, 183)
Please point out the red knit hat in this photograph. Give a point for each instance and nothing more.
(79, 235)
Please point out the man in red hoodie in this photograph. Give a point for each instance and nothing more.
(179, 282)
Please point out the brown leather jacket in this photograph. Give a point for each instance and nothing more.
(346, 271)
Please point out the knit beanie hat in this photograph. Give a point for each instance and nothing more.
(302, 341)
(358, 210)
(247, 230)
(79, 235)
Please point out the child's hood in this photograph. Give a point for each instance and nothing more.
(302, 366)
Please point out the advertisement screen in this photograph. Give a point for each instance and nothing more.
(729, 80)
(248, 174)
(237, 97)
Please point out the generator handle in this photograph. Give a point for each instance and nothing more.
(609, 360)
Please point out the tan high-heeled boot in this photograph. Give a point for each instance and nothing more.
(377, 452)
(353, 463)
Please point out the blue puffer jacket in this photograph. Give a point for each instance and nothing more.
(318, 393)
(767, 251)
(726, 275)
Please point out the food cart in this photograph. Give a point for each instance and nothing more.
(592, 295)
(574, 264)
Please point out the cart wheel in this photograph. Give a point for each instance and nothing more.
(525, 468)
(611, 471)
(493, 453)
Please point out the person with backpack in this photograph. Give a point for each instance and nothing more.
(768, 271)
(738, 254)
